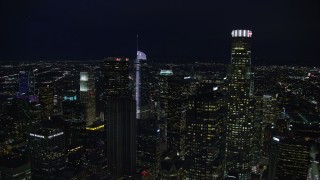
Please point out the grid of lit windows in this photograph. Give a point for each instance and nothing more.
(240, 110)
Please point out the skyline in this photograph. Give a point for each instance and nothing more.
(76, 120)
(90, 30)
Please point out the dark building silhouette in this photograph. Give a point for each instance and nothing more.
(120, 118)
(14, 167)
(148, 146)
(121, 136)
(47, 153)
(116, 74)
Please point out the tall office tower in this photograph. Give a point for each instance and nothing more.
(148, 147)
(257, 139)
(289, 154)
(24, 84)
(87, 96)
(164, 96)
(176, 114)
(46, 99)
(120, 119)
(293, 158)
(47, 153)
(146, 84)
(162, 105)
(205, 134)
(270, 114)
(240, 108)
(140, 57)
(32, 80)
(116, 73)
(121, 136)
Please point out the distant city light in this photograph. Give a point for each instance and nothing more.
(166, 72)
(95, 128)
(276, 139)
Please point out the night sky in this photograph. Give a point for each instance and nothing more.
(284, 31)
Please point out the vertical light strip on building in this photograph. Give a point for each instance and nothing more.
(140, 56)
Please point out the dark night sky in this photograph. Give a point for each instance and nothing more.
(78, 29)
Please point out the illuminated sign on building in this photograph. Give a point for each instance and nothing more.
(70, 98)
(55, 135)
(241, 33)
(166, 72)
(36, 135)
(49, 137)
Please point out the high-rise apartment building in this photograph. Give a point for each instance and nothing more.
(87, 96)
(238, 152)
(47, 153)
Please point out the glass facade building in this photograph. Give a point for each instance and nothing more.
(87, 96)
(240, 114)
(47, 153)
(120, 118)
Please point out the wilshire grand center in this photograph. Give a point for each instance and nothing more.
(238, 155)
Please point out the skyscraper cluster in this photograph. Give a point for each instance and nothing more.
(136, 119)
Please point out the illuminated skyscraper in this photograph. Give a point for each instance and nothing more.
(163, 99)
(46, 100)
(240, 108)
(116, 73)
(292, 158)
(289, 153)
(87, 96)
(164, 96)
(24, 84)
(47, 153)
(270, 114)
(204, 134)
(140, 56)
(120, 120)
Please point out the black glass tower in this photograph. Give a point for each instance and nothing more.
(47, 153)
(120, 118)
